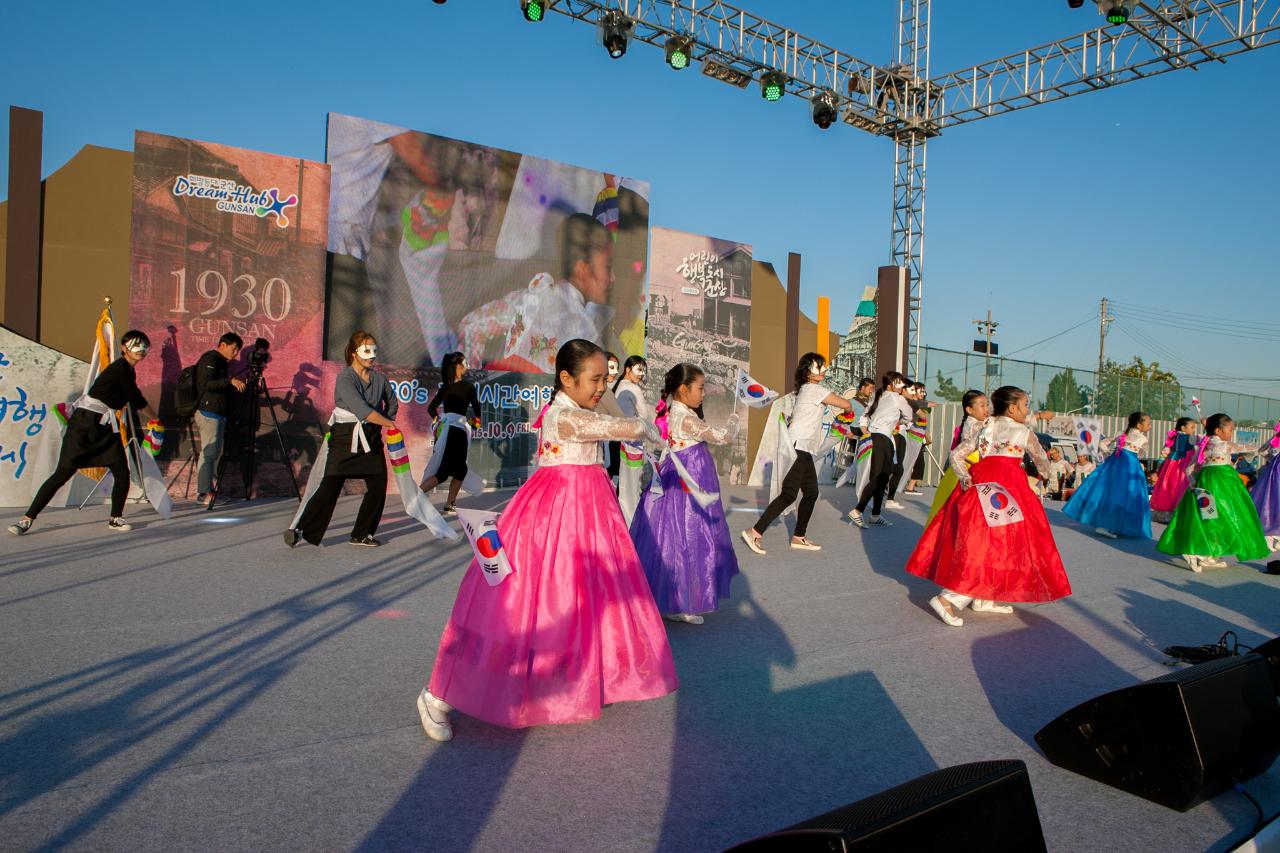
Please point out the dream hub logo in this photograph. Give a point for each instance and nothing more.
(231, 197)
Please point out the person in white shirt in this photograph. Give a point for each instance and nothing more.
(887, 412)
(807, 433)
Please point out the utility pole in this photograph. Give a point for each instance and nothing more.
(987, 327)
(1104, 319)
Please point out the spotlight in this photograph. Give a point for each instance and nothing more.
(824, 109)
(772, 85)
(534, 10)
(613, 33)
(1116, 11)
(679, 52)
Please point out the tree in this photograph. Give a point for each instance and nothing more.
(947, 389)
(1065, 394)
(1138, 386)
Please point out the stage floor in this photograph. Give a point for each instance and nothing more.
(196, 685)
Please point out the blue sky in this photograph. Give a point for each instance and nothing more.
(1160, 194)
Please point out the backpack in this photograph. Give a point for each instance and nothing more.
(185, 395)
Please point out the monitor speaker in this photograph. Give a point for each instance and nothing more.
(1176, 740)
(986, 806)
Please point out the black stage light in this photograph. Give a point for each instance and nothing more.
(613, 32)
(824, 109)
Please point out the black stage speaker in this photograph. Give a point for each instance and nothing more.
(1176, 740)
(1270, 650)
(986, 806)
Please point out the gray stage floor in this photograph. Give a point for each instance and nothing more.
(196, 685)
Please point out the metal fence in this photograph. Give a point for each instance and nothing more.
(1052, 387)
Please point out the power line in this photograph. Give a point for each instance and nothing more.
(1240, 334)
(1088, 319)
(1227, 321)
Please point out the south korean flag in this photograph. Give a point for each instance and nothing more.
(1206, 504)
(752, 392)
(482, 530)
(998, 506)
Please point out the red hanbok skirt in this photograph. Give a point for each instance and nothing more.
(1015, 562)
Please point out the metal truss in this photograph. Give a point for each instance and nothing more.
(901, 101)
(1159, 37)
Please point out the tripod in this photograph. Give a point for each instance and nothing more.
(255, 397)
(192, 462)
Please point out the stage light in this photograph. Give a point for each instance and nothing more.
(679, 52)
(1116, 11)
(534, 10)
(772, 86)
(824, 109)
(1075, 4)
(613, 33)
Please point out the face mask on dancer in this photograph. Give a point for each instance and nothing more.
(368, 352)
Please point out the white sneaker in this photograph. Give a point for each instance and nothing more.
(1213, 563)
(691, 618)
(892, 504)
(753, 542)
(913, 492)
(802, 544)
(20, 527)
(1191, 561)
(431, 711)
(119, 525)
(1106, 534)
(856, 518)
(982, 605)
(941, 608)
(881, 520)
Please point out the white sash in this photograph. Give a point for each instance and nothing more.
(93, 404)
(472, 484)
(359, 441)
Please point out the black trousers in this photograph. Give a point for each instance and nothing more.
(315, 518)
(119, 487)
(801, 480)
(895, 476)
(882, 469)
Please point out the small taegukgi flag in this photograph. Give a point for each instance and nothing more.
(1206, 504)
(753, 393)
(1089, 434)
(998, 506)
(482, 531)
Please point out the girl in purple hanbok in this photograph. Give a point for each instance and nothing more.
(1266, 491)
(679, 528)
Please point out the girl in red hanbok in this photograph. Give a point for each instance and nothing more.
(991, 541)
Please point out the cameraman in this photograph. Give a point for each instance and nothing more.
(212, 406)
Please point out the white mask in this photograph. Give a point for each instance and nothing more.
(638, 372)
(367, 351)
(815, 370)
(137, 347)
(613, 369)
(898, 386)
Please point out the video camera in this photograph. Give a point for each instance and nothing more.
(259, 355)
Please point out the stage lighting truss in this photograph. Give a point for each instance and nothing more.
(679, 51)
(614, 27)
(773, 85)
(533, 10)
(824, 109)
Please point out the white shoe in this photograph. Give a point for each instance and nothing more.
(1107, 534)
(942, 609)
(981, 605)
(802, 544)
(1213, 563)
(431, 711)
(753, 542)
(1192, 562)
(691, 618)
(892, 504)
(881, 520)
(856, 518)
(20, 527)
(1273, 542)
(913, 492)
(119, 525)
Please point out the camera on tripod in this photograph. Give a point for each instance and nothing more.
(259, 355)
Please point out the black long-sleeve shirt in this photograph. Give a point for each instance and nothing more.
(117, 386)
(212, 383)
(455, 399)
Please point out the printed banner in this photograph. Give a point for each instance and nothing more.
(486, 544)
(440, 246)
(998, 506)
(700, 312)
(231, 240)
(33, 380)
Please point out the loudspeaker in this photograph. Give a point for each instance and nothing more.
(1176, 740)
(986, 806)
(1270, 651)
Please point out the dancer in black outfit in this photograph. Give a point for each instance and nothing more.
(887, 412)
(93, 440)
(449, 455)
